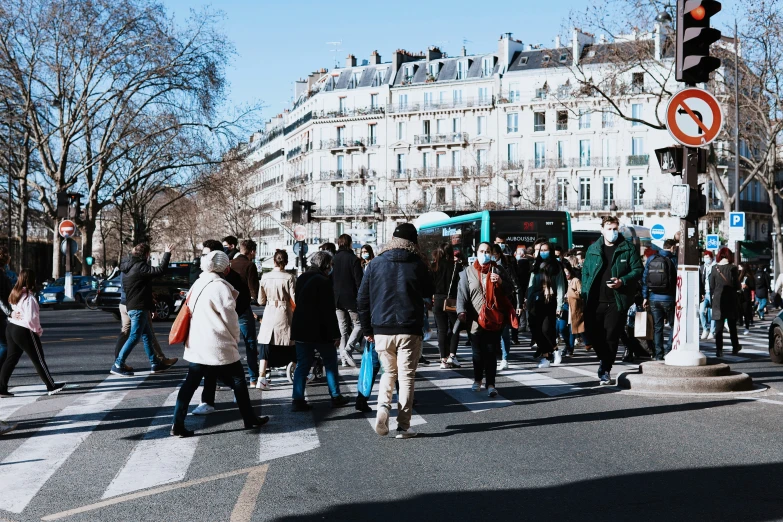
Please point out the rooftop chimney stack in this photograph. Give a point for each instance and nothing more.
(464, 51)
(375, 58)
(350, 61)
(557, 42)
(433, 53)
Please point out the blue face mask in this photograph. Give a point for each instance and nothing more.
(494, 258)
(331, 269)
(483, 259)
(544, 255)
(611, 235)
(365, 256)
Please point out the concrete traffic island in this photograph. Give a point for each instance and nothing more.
(655, 377)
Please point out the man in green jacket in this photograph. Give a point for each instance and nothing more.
(610, 277)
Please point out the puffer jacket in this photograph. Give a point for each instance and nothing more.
(392, 293)
(137, 281)
(626, 266)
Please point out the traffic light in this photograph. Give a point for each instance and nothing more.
(694, 37)
(670, 160)
(89, 260)
(302, 212)
(74, 205)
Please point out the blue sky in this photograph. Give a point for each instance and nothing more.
(278, 42)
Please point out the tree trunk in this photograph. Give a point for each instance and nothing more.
(56, 256)
(728, 200)
(21, 223)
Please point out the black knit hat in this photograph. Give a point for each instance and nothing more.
(407, 231)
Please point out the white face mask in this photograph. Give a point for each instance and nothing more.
(707, 260)
(483, 258)
(365, 255)
(611, 235)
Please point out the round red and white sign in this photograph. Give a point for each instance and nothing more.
(67, 228)
(300, 232)
(694, 117)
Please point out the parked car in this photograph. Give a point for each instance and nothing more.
(84, 287)
(776, 339)
(168, 291)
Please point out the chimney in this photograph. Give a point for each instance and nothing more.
(350, 61)
(464, 51)
(578, 43)
(375, 58)
(507, 47)
(557, 42)
(300, 88)
(433, 53)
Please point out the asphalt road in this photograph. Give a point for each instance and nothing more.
(553, 446)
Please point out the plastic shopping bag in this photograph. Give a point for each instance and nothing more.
(365, 372)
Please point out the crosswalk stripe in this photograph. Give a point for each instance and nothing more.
(158, 458)
(24, 472)
(416, 419)
(755, 352)
(286, 433)
(23, 395)
(458, 388)
(539, 382)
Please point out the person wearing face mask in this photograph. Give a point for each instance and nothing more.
(483, 301)
(230, 247)
(523, 274)
(367, 255)
(725, 293)
(497, 256)
(748, 286)
(705, 307)
(610, 279)
(545, 296)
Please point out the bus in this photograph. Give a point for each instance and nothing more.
(519, 227)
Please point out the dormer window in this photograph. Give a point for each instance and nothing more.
(591, 54)
(563, 57)
(546, 58)
(461, 68)
(487, 66)
(523, 60)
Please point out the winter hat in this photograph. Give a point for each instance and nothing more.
(215, 261)
(407, 231)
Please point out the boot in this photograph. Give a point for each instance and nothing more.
(628, 356)
(361, 404)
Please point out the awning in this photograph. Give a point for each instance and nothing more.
(754, 251)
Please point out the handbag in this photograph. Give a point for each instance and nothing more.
(450, 304)
(181, 326)
(643, 325)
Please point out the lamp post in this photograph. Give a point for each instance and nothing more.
(515, 195)
(379, 218)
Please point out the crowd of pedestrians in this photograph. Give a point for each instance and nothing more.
(378, 305)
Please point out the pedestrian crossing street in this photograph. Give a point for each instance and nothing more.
(53, 430)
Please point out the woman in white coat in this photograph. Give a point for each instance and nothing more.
(211, 347)
(276, 295)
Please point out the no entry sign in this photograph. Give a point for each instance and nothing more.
(694, 117)
(67, 228)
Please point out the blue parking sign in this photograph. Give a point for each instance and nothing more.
(737, 219)
(713, 242)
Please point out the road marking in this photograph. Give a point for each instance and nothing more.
(287, 432)
(246, 503)
(158, 458)
(416, 419)
(459, 388)
(540, 382)
(259, 473)
(24, 472)
(23, 395)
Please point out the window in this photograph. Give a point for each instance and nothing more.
(637, 82)
(439, 160)
(481, 159)
(425, 160)
(440, 196)
(584, 153)
(425, 127)
(637, 147)
(513, 92)
(372, 196)
(456, 96)
(483, 95)
(539, 153)
(400, 130)
(427, 100)
(562, 192)
(481, 125)
(461, 70)
(607, 119)
(546, 58)
(371, 134)
(584, 119)
(608, 198)
(340, 135)
(541, 93)
(511, 153)
(342, 105)
(487, 66)
(561, 154)
(584, 192)
(340, 200)
(373, 101)
(636, 113)
(409, 70)
(562, 120)
(401, 163)
(539, 121)
(540, 191)
(563, 57)
(432, 70)
(456, 160)
(512, 122)
(637, 191)
(523, 60)
(455, 125)
(403, 101)
(608, 153)
(340, 164)
(380, 74)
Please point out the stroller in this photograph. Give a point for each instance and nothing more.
(282, 361)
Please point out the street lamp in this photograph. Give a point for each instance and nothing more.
(378, 215)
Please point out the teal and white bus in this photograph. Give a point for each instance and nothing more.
(519, 227)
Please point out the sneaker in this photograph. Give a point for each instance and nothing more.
(128, 367)
(6, 394)
(7, 428)
(605, 379)
(310, 378)
(453, 361)
(262, 384)
(382, 420)
(476, 386)
(705, 334)
(405, 434)
(203, 409)
(710, 336)
(58, 387)
(492, 392)
(444, 365)
(220, 387)
(122, 372)
(181, 432)
(558, 358)
(423, 361)
(253, 384)
(257, 422)
(544, 363)
(171, 361)
(160, 367)
(361, 405)
(300, 405)
(503, 365)
(427, 335)
(340, 401)
(746, 332)
(348, 359)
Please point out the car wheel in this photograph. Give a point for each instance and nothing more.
(162, 310)
(776, 346)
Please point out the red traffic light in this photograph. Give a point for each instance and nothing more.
(699, 13)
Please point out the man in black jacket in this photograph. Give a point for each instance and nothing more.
(230, 246)
(347, 277)
(391, 312)
(137, 284)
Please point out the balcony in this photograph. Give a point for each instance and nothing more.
(443, 173)
(298, 123)
(464, 103)
(337, 176)
(638, 160)
(441, 139)
(348, 113)
(344, 144)
(513, 165)
(506, 97)
(344, 210)
(298, 150)
(295, 181)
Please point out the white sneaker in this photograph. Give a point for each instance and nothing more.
(262, 384)
(348, 359)
(558, 358)
(705, 334)
(426, 336)
(492, 392)
(453, 361)
(310, 378)
(503, 365)
(710, 336)
(746, 332)
(444, 365)
(544, 363)
(203, 409)
(405, 434)
(476, 386)
(382, 421)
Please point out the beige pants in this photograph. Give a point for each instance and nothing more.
(399, 356)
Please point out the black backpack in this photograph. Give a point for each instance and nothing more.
(661, 276)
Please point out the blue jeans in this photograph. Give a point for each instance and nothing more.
(247, 328)
(140, 328)
(305, 354)
(505, 341)
(564, 331)
(705, 314)
(662, 310)
(762, 308)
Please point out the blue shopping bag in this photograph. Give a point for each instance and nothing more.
(365, 372)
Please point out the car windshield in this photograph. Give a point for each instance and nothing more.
(61, 281)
